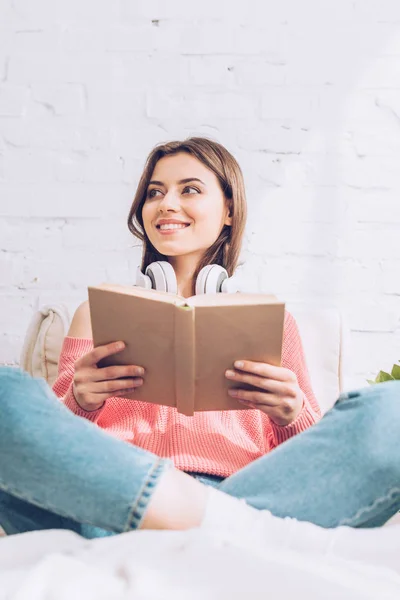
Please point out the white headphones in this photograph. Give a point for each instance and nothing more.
(160, 276)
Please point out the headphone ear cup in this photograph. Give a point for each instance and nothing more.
(162, 276)
(142, 280)
(229, 286)
(210, 280)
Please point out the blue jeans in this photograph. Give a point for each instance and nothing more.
(60, 471)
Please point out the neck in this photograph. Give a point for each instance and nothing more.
(184, 267)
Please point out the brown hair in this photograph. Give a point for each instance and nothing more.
(226, 249)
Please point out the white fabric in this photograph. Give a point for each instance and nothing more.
(260, 529)
(59, 565)
(238, 552)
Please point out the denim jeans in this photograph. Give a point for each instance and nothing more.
(60, 471)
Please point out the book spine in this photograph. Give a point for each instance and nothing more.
(184, 360)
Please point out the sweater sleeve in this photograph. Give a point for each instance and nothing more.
(72, 349)
(293, 358)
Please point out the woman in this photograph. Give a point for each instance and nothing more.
(190, 210)
(57, 470)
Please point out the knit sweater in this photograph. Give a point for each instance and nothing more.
(216, 442)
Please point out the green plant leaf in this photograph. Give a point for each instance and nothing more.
(371, 382)
(383, 376)
(396, 372)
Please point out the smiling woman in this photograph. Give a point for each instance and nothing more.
(189, 211)
(197, 183)
(181, 220)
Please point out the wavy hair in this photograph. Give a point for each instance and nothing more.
(226, 249)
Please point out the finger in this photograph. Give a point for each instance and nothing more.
(116, 372)
(116, 385)
(269, 385)
(92, 358)
(123, 393)
(249, 404)
(265, 370)
(119, 394)
(256, 397)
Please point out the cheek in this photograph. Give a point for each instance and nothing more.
(210, 217)
(207, 230)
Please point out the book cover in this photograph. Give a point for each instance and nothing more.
(186, 345)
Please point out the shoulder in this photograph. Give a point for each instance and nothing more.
(80, 325)
(290, 323)
(291, 334)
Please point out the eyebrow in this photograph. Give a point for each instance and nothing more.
(188, 180)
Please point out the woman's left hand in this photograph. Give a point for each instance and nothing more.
(278, 395)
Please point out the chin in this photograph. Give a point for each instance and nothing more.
(172, 250)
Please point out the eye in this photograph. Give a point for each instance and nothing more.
(189, 189)
(153, 193)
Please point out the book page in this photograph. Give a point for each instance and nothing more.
(232, 300)
(147, 328)
(132, 290)
(224, 334)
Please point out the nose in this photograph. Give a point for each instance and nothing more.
(169, 202)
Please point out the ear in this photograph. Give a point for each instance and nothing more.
(228, 217)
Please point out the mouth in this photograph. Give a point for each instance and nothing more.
(170, 228)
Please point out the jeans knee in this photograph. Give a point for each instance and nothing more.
(390, 392)
(379, 428)
(17, 389)
(382, 400)
(389, 414)
(387, 403)
(14, 381)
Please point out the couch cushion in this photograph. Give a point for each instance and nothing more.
(322, 335)
(43, 341)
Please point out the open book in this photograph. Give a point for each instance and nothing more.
(186, 345)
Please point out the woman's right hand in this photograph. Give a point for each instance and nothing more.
(92, 385)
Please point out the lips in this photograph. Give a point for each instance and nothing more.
(171, 225)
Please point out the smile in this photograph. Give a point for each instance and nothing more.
(172, 227)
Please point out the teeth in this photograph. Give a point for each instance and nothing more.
(173, 226)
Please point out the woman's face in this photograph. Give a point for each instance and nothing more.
(185, 208)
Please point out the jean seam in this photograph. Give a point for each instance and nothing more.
(393, 495)
(136, 512)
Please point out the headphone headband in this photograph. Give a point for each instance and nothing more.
(160, 275)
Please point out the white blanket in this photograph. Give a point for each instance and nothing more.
(147, 565)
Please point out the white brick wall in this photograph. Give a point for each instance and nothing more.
(306, 94)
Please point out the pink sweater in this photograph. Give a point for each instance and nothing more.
(218, 443)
